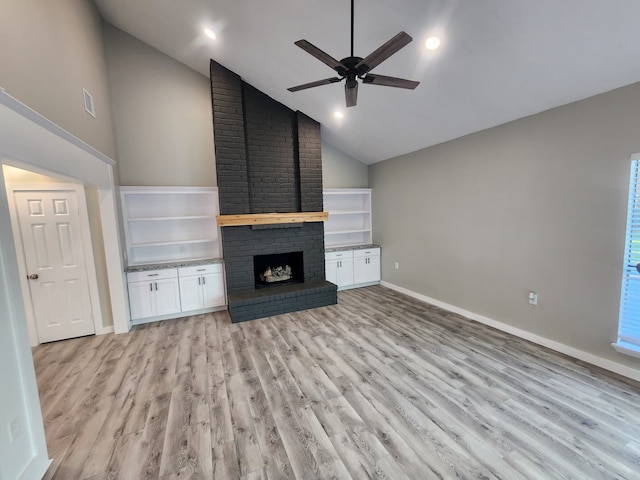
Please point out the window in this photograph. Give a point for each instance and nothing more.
(629, 324)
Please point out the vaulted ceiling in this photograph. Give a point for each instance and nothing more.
(499, 59)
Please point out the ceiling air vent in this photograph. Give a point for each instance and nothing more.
(89, 106)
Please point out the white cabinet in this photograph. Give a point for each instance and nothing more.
(201, 287)
(153, 293)
(171, 292)
(169, 224)
(339, 268)
(353, 268)
(349, 221)
(366, 266)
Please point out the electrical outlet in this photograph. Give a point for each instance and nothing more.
(397, 266)
(14, 429)
(533, 298)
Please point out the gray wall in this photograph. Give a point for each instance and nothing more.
(340, 170)
(537, 204)
(49, 51)
(162, 113)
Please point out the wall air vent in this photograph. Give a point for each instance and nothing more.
(89, 106)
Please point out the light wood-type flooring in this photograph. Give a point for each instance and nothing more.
(379, 386)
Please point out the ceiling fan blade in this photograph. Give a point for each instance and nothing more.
(383, 52)
(385, 81)
(322, 56)
(317, 83)
(351, 94)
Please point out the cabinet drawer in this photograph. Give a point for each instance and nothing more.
(152, 275)
(200, 269)
(338, 255)
(366, 252)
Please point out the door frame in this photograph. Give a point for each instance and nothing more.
(87, 246)
(36, 142)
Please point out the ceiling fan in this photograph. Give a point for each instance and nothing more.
(353, 68)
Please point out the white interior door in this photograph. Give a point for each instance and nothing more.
(52, 240)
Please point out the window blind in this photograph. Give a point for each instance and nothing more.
(629, 322)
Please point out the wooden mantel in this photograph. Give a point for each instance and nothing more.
(270, 218)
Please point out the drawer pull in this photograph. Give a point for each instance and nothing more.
(152, 275)
(201, 270)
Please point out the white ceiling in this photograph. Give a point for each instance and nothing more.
(500, 59)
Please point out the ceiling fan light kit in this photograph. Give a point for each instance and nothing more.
(352, 68)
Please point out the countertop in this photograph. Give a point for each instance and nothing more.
(205, 261)
(351, 247)
(183, 263)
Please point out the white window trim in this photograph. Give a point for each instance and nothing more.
(625, 343)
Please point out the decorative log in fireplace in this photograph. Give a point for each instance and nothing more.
(278, 269)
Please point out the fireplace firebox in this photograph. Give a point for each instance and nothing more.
(278, 269)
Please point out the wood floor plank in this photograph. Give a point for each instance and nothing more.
(244, 434)
(118, 409)
(379, 386)
(275, 458)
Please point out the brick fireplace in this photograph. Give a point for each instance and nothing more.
(268, 160)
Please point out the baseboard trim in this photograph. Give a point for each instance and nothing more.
(105, 330)
(37, 467)
(587, 357)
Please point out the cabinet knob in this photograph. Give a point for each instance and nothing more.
(33, 276)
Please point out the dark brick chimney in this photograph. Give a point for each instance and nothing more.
(268, 160)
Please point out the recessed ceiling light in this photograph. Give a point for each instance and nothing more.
(338, 114)
(209, 33)
(432, 43)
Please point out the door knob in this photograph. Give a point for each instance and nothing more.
(33, 276)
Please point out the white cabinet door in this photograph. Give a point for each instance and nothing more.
(345, 272)
(142, 301)
(339, 272)
(331, 271)
(212, 290)
(339, 267)
(366, 267)
(167, 293)
(191, 293)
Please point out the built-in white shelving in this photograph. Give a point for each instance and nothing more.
(168, 224)
(349, 220)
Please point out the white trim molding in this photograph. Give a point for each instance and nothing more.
(33, 142)
(626, 348)
(42, 121)
(614, 367)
